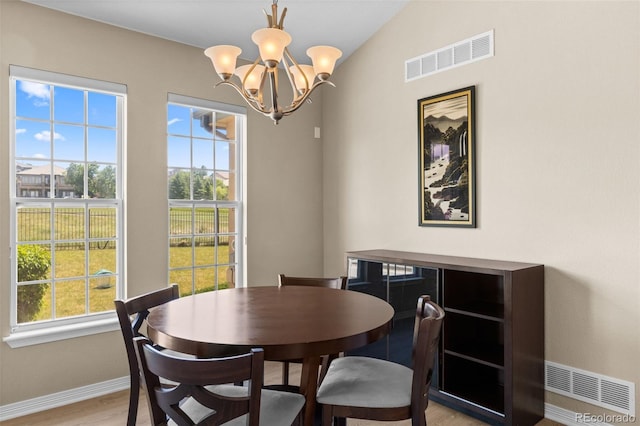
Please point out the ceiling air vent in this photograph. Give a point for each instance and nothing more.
(463, 52)
(613, 394)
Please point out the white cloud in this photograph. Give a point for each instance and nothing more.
(40, 156)
(19, 131)
(35, 90)
(175, 120)
(45, 136)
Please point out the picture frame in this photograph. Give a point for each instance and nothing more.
(446, 151)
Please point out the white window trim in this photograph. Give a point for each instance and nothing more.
(65, 328)
(87, 327)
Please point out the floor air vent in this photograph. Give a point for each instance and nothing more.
(613, 394)
(460, 53)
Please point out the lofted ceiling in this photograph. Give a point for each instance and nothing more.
(345, 24)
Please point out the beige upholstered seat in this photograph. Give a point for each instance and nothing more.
(375, 389)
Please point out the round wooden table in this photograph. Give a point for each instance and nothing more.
(292, 322)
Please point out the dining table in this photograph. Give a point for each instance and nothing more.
(288, 323)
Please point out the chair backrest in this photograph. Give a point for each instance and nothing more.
(138, 308)
(191, 376)
(426, 336)
(337, 283)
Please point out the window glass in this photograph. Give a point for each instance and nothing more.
(102, 145)
(32, 139)
(32, 100)
(68, 105)
(102, 110)
(179, 151)
(68, 142)
(204, 197)
(179, 122)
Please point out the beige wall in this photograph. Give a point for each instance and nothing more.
(558, 176)
(284, 194)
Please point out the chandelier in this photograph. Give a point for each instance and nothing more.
(272, 43)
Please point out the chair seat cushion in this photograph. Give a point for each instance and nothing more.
(276, 408)
(355, 381)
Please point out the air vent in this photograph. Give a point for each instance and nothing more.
(463, 52)
(429, 64)
(613, 394)
(482, 46)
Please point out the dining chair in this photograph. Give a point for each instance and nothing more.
(202, 396)
(376, 389)
(339, 283)
(132, 314)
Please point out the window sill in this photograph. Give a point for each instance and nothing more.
(68, 331)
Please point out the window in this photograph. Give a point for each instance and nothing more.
(204, 143)
(66, 198)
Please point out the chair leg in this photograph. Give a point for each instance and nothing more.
(134, 395)
(419, 419)
(327, 416)
(285, 373)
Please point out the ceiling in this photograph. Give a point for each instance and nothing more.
(345, 24)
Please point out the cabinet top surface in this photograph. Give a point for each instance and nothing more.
(438, 261)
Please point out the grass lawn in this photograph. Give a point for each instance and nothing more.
(194, 270)
(73, 298)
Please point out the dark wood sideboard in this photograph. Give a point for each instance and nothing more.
(490, 363)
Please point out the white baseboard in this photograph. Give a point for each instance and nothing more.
(58, 399)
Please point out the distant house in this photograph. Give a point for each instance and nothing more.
(35, 182)
(222, 176)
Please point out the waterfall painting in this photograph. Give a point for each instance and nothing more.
(446, 139)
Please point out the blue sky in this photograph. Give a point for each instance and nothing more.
(37, 138)
(41, 137)
(206, 152)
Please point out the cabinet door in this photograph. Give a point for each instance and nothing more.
(401, 286)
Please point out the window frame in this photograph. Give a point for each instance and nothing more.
(238, 203)
(24, 334)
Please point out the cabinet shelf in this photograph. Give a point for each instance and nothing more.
(474, 337)
(491, 354)
(472, 313)
(481, 359)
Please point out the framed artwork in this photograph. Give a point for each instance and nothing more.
(446, 139)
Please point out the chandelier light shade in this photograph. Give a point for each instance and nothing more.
(302, 74)
(251, 77)
(251, 82)
(271, 43)
(324, 60)
(224, 59)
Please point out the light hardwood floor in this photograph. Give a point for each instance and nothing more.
(111, 410)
